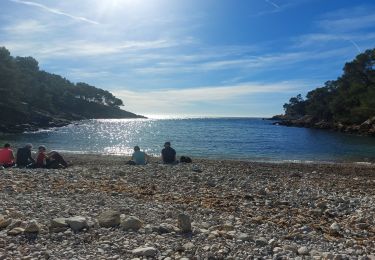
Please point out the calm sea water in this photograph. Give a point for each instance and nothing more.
(219, 138)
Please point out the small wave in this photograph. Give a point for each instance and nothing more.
(364, 163)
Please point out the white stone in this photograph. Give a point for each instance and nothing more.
(145, 251)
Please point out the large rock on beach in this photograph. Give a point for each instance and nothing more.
(15, 231)
(4, 222)
(184, 222)
(110, 218)
(32, 227)
(58, 225)
(77, 223)
(145, 251)
(131, 223)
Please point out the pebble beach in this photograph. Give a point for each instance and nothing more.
(100, 208)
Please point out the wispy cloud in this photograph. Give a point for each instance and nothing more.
(162, 101)
(273, 4)
(55, 11)
(79, 48)
(25, 27)
(348, 24)
(278, 7)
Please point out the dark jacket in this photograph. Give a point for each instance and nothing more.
(24, 157)
(169, 155)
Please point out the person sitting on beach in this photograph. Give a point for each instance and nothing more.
(24, 158)
(51, 160)
(6, 156)
(139, 157)
(168, 154)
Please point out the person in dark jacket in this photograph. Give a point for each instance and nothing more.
(168, 154)
(24, 158)
(51, 160)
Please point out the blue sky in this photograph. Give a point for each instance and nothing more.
(192, 57)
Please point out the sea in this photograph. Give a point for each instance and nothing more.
(252, 139)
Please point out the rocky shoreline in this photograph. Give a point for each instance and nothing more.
(365, 128)
(100, 208)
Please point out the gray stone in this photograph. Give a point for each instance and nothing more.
(244, 237)
(109, 218)
(261, 242)
(303, 250)
(32, 227)
(77, 223)
(184, 222)
(4, 222)
(58, 223)
(188, 246)
(145, 251)
(131, 223)
(15, 231)
(290, 248)
(164, 228)
(334, 228)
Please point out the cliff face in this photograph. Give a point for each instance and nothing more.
(365, 128)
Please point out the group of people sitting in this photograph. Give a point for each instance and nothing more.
(53, 160)
(168, 156)
(23, 159)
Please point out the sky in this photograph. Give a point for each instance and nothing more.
(242, 58)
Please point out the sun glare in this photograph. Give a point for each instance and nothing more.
(127, 9)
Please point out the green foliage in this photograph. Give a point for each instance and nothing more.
(26, 90)
(296, 107)
(350, 99)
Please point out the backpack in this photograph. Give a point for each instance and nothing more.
(185, 159)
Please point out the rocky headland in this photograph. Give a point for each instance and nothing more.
(365, 128)
(100, 208)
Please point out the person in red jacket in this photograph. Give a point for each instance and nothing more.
(6, 156)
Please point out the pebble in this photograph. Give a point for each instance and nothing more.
(131, 223)
(32, 227)
(303, 250)
(77, 223)
(241, 210)
(261, 242)
(145, 251)
(109, 219)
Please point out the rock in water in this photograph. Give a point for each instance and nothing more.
(131, 223)
(109, 218)
(145, 251)
(32, 227)
(77, 223)
(184, 222)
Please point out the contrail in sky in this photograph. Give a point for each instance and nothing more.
(55, 11)
(273, 4)
(355, 45)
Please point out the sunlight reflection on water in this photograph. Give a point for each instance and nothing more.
(227, 138)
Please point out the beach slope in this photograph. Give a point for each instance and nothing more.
(100, 208)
